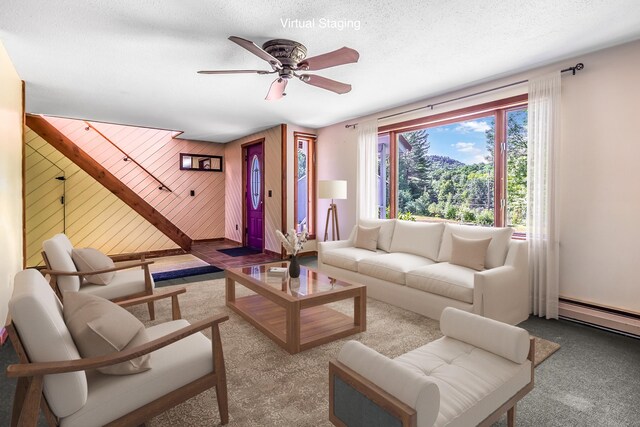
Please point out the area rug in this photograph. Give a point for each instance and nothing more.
(177, 266)
(269, 387)
(186, 272)
(240, 251)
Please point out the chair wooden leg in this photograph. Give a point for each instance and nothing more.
(18, 400)
(511, 416)
(30, 410)
(221, 385)
(175, 308)
(152, 310)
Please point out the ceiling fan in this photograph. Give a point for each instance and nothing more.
(287, 58)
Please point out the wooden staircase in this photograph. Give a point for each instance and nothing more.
(73, 152)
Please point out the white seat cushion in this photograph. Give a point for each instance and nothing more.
(125, 282)
(58, 250)
(392, 267)
(174, 366)
(449, 280)
(472, 381)
(347, 258)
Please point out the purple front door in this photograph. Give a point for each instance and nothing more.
(254, 196)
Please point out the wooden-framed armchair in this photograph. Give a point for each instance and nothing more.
(53, 378)
(131, 280)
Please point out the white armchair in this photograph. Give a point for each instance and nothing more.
(131, 281)
(185, 363)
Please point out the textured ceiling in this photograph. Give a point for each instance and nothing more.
(135, 62)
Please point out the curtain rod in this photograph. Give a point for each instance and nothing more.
(579, 66)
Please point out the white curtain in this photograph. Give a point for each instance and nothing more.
(542, 211)
(367, 170)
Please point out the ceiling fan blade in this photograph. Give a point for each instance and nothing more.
(325, 83)
(341, 56)
(276, 91)
(235, 72)
(256, 50)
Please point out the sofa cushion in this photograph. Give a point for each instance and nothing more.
(391, 267)
(445, 279)
(469, 253)
(37, 315)
(347, 258)
(58, 250)
(472, 382)
(101, 327)
(497, 250)
(90, 259)
(173, 367)
(367, 238)
(418, 238)
(386, 231)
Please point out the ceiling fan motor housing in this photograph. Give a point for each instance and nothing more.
(288, 52)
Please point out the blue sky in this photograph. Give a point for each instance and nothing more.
(463, 141)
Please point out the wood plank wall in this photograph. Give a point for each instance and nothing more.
(201, 216)
(94, 216)
(273, 177)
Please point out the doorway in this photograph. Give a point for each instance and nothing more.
(253, 200)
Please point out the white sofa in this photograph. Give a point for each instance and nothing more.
(474, 374)
(410, 268)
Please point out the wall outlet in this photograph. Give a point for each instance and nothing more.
(236, 226)
(270, 193)
(192, 192)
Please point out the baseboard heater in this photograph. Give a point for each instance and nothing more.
(603, 317)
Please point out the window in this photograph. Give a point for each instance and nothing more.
(467, 166)
(304, 183)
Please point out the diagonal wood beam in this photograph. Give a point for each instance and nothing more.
(68, 148)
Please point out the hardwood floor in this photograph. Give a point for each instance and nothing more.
(208, 251)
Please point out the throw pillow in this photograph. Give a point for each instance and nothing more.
(99, 327)
(88, 260)
(469, 253)
(367, 238)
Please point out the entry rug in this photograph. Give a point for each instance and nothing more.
(186, 272)
(240, 251)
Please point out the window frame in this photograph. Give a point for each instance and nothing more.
(498, 109)
(311, 180)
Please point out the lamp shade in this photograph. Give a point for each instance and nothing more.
(332, 189)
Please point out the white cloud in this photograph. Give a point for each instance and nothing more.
(466, 147)
(479, 158)
(473, 126)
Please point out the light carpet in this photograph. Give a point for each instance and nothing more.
(269, 387)
(175, 262)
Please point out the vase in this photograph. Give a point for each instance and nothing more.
(294, 267)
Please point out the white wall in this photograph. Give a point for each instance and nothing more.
(11, 113)
(599, 192)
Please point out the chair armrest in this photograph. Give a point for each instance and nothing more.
(502, 293)
(47, 368)
(148, 298)
(124, 266)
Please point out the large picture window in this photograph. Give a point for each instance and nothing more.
(466, 166)
(304, 183)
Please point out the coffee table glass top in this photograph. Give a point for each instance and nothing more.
(309, 283)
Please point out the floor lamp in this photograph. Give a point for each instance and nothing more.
(332, 189)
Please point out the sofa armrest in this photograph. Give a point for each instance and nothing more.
(502, 293)
(411, 388)
(495, 337)
(337, 244)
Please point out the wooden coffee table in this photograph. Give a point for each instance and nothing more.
(292, 312)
